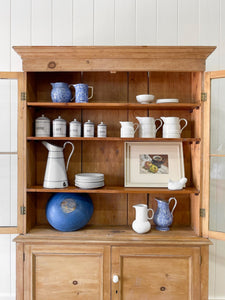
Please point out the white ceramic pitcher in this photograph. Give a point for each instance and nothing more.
(172, 127)
(147, 128)
(141, 223)
(128, 129)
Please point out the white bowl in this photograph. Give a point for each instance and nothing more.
(145, 98)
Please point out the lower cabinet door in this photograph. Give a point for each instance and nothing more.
(145, 273)
(57, 273)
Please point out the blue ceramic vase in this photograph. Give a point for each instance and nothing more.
(68, 211)
(163, 218)
(61, 92)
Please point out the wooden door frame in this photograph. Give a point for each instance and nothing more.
(206, 155)
(19, 76)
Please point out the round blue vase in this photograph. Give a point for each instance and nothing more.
(68, 211)
(60, 92)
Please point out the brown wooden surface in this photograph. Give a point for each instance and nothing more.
(166, 273)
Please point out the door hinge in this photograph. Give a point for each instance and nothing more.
(200, 259)
(203, 97)
(22, 210)
(23, 256)
(202, 212)
(23, 96)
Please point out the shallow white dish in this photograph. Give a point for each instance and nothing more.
(169, 100)
(89, 185)
(89, 177)
(145, 98)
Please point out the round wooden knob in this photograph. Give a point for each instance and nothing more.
(75, 282)
(162, 288)
(51, 65)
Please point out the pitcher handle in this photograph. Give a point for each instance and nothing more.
(185, 121)
(161, 122)
(74, 93)
(68, 160)
(136, 127)
(92, 92)
(152, 216)
(175, 204)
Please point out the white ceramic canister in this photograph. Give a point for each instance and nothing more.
(101, 130)
(75, 128)
(42, 126)
(59, 127)
(89, 129)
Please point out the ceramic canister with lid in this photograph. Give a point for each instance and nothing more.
(42, 126)
(75, 128)
(59, 127)
(89, 129)
(101, 130)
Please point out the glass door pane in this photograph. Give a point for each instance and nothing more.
(10, 86)
(217, 155)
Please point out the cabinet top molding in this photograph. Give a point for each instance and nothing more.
(114, 58)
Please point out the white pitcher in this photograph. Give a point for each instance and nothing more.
(147, 128)
(128, 129)
(172, 127)
(141, 223)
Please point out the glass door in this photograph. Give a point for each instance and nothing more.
(214, 156)
(11, 144)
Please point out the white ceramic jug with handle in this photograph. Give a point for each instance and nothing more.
(128, 129)
(172, 127)
(147, 127)
(141, 223)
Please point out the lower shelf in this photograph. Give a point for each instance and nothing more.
(113, 235)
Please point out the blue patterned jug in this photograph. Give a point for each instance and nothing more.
(61, 92)
(163, 218)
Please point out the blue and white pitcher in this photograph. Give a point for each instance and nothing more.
(81, 92)
(163, 218)
(61, 92)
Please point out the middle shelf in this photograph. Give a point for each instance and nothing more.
(113, 190)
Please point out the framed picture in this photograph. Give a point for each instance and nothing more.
(152, 164)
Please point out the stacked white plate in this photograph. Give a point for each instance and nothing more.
(170, 100)
(89, 180)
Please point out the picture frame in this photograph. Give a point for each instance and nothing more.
(152, 164)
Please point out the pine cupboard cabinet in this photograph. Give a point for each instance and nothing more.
(106, 259)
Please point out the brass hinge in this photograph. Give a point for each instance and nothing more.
(203, 97)
(22, 210)
(23, 256)
(23, 96)
(202, 212)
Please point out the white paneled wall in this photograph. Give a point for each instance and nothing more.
(95, 22)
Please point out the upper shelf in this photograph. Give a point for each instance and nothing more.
(133, 106)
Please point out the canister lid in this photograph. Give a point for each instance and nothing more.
(59, 120)
(43, 119)
(89, 123)
(75, 122)
(101, 124)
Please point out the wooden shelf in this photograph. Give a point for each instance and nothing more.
(113, 190)
(136, 106)
(113, 139)
(114, 234)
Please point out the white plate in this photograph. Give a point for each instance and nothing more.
(89, 177)
(167, 100)
(89, 185)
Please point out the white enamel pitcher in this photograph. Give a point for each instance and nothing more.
(141, 223)
(128, 129)
(172, 127)
(147, 127)
(55, 172)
